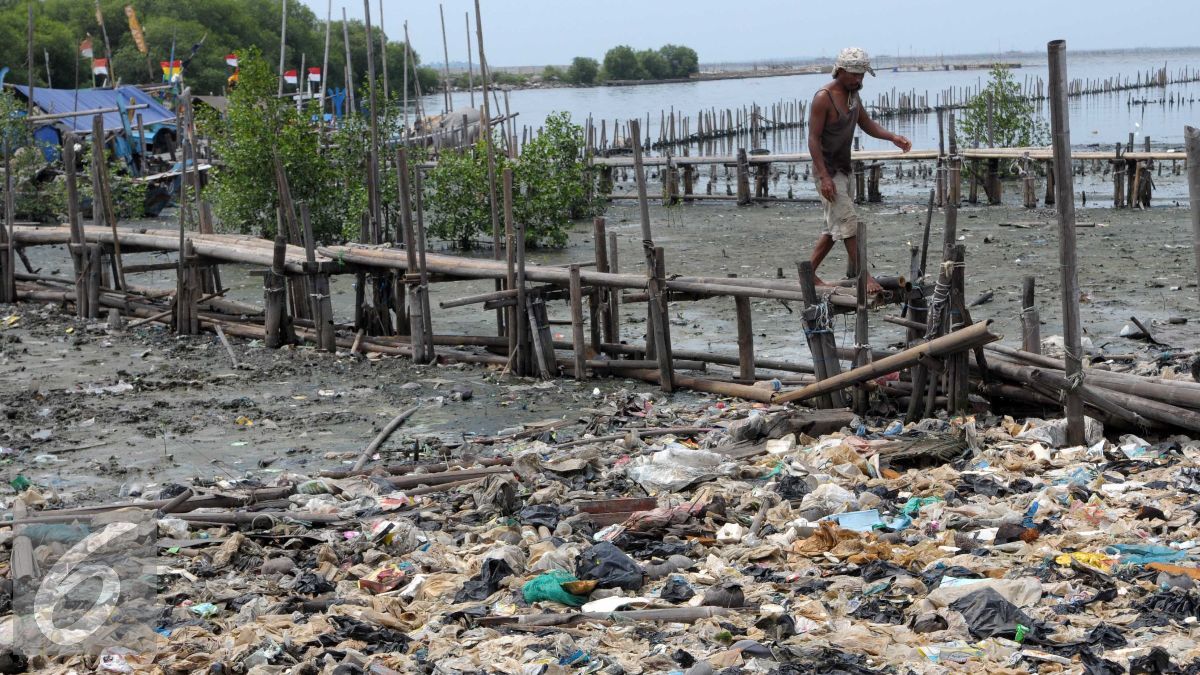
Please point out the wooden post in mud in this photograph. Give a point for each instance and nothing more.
(8, 247)
(1050, 189)
(743, 178)
(322, 304)
(423, 270)
(1061, 135)
(485, 129)
(815, 330)
(78, 259)
(660, 325)
(614, 296)
(516, 327)
(745, 339)
(873, 194)
(1029, 190)
(953, 190)
(602, 295)
(524, 336)
(1191, 142)
(95, 267)
(416, 314)
(187, 322)
(1118, 171)
(579, 355)
(276, 323)
(940, 175)
(959, 389)
(1031, 328)
(862, 350)
(102, 203)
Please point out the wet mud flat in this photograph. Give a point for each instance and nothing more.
(99, 413)
(93, 415)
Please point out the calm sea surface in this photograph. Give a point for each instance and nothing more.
(1096, 119)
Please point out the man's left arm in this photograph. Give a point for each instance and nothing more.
(873, 129)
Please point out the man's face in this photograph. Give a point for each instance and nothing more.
(851, 81)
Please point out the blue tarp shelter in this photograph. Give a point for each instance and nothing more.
(54, 101)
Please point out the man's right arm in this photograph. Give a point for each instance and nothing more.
(818, 111)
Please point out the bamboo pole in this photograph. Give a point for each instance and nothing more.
(1031, 329)
(470, 66)
(1064, 194)
(1112, 402)
(420, 350)
(818, 335)
(387, 92)
(511, 323)
(967, 338)
(577, 343)
(862, 351)
(381, 437)
(350, 103)
(373, 151)
(324, 76)
(485, 128)
(282, 42)
(1191, 140)
(423, 270)
(445, 58)
(8, 260)
(660, 324)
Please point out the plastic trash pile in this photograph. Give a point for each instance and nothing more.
(744, 549)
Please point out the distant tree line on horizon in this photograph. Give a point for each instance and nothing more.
(623, 62)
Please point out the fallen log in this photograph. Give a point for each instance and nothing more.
(1175, 392)
(382, 436)
(1107, 400)
(952, 343)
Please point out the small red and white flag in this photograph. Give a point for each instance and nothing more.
(290, 77)
(99, 67)
(85, 48)
(231, 60)
(314, 74)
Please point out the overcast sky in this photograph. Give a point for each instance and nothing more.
(538, 32)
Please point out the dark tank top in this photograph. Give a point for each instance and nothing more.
(838, 135)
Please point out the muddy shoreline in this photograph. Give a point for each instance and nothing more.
(172, 408)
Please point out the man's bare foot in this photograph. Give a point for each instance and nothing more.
(817, 281)
(873, 286)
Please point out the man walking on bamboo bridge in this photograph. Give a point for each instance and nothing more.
(836, 112)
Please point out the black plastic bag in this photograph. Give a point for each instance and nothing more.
(312, 584)
(988, 614)
(882, 569)
(725, 594)
(933, 578)
(793, 487)
(982, 485)
(608, 565)
(539, 515)
(1157, 661)
(677, 590)
(1106, 636)
(487, 582)
(1098, 665)
(878, 610)
(1173, 604)
(377, 639)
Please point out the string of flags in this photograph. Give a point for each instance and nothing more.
(173, 70)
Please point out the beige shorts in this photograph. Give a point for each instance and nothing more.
(841, 220)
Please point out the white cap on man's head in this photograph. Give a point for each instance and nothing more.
(853, 60)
